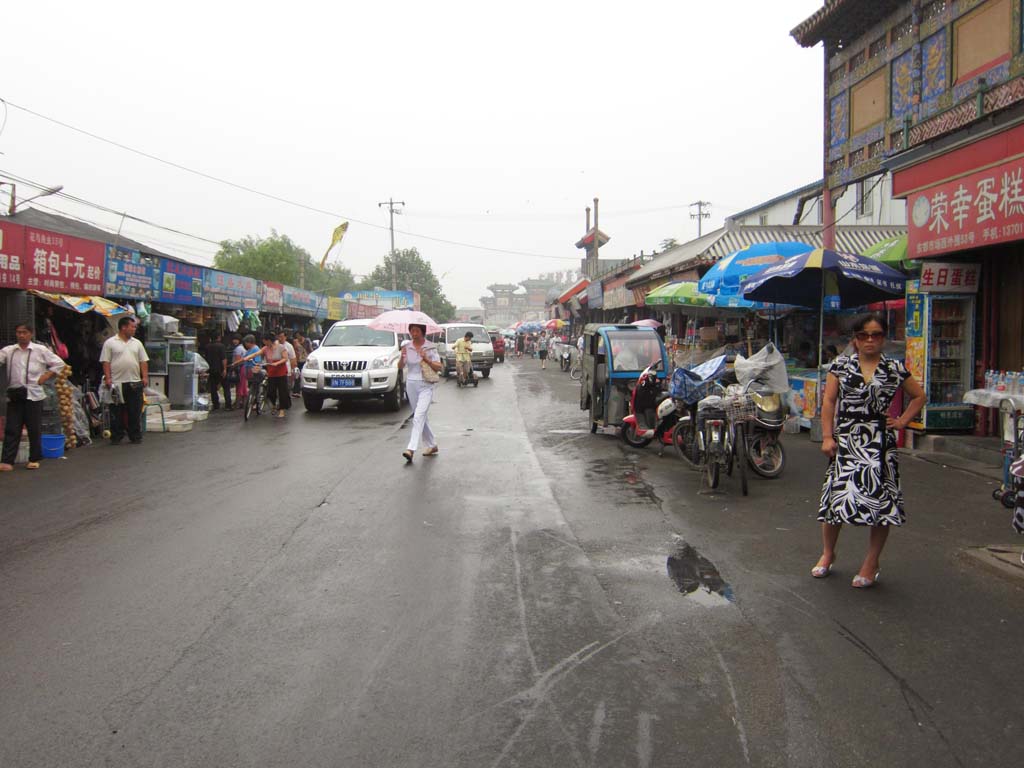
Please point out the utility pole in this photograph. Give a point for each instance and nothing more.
(391, 210)
(700, 205)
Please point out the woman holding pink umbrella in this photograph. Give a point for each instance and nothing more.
(421, 364)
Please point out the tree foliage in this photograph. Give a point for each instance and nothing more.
(277, 259)
(669, 242)
(414, 274)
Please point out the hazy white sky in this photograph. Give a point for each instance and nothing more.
(496, 124)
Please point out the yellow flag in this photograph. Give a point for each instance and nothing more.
(339, 232)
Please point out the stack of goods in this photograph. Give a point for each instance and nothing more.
(66, 397)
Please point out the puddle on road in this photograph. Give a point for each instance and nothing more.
(697, 577)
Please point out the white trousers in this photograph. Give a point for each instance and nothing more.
(421, 394)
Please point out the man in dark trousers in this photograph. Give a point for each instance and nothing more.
(29, 366)
(217, 358)
(125, 370)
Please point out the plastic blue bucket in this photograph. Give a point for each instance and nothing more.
(53, 446)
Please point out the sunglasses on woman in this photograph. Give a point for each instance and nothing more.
(869, 335)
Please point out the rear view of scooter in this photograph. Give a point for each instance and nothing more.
(764, 375)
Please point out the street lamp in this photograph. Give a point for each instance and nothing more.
(15, 202)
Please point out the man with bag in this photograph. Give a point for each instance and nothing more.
(126, 372)
(29, 366)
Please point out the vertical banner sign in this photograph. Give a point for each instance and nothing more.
(12, 255)
(335, 308)
(228, 291)
(181, 283)
(916, 334)
(62, 264)
(132, 274)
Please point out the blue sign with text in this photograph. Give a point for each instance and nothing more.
(181, 283)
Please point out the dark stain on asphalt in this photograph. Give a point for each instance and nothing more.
(691, 571)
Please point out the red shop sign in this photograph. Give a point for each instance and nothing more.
(981, 208)
(58, 263)
(946, 277)
(12, 255)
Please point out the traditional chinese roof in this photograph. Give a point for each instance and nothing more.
(720, 243)
(32, 217)
(588, 239)
(579, 286)
(841, 21)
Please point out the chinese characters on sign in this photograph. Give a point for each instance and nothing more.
(943, 277)
(301, 301)
(132, 274)
(12, 255)
(181, 283)
(227, 291)
(273, 297)
(58, 263)
(982, 208)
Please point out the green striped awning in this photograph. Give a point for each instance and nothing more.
(684, 293)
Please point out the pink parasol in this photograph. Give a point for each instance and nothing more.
(399, 320)
(555, 324)
(647, 323)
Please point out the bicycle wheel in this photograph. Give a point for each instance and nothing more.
(684, 438)
(740, 447)
(711, 470)
(250, 400)
(261, 399)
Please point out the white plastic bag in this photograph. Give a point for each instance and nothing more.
(767, 367)
(105, 394)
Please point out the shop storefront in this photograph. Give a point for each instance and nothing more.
(300, 307)
(966, 226)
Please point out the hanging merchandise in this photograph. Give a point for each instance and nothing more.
(232, 321)
(142, 311)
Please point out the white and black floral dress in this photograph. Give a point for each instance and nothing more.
(862, 484)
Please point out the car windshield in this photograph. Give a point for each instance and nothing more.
(457, 332)
(634, 351)
(358, 336)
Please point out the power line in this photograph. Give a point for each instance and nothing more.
(267, 195)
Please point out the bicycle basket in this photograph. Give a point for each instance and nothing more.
(740, 408)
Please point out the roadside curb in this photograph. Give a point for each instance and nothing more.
(1000, 560)
(954, 461)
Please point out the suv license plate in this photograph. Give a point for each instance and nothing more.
(340, 382)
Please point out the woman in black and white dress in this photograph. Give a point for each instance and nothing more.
(862, 484)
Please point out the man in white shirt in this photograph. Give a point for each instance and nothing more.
(125, 369)
(29, 366)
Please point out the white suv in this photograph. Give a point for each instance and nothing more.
(354, 361)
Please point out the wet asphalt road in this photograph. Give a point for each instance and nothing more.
(283, 594)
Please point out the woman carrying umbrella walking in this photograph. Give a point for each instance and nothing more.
(421, 363)
(862, 483)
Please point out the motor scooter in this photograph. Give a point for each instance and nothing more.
(764, 378)
(565, 357)
(653, 414)
(765, 452)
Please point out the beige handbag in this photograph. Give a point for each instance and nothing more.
(429, 374)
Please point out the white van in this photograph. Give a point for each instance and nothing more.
(483, 349)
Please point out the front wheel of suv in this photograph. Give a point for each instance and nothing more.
(313, 403)
(486, 373)
(394, 397)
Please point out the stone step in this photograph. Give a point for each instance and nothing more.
(984, 450)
